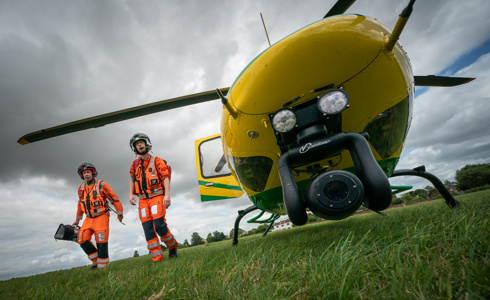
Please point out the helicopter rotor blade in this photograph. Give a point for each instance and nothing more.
(443, 81)
(339, 8)
(120, 115)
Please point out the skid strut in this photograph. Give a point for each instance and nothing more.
(420, 172)
(241, 214)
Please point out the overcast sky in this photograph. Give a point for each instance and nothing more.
(62, 61)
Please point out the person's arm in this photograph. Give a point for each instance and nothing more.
(108, 193)
(132, 200)
(164, 175)
(79, 214)
(166, 198)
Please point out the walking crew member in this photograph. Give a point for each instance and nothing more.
(150, 181)
(93, 195)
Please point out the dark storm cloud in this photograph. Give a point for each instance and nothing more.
(63, 61)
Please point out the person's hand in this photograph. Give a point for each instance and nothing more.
(166, 201)
(120, 218)
(76, 223)
(132, 200)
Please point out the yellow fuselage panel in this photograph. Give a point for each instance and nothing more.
(330, 51)
(345, 51)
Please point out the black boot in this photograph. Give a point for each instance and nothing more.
(172, 253)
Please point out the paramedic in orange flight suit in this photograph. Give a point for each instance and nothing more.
(93, 195)
(150, 181)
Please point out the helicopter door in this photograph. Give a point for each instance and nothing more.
(215, 179)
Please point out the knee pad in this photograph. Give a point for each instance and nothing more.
(103, 250)
(160, 226)
(149, 230)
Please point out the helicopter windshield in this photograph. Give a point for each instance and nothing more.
(388, 130)
(252, 171)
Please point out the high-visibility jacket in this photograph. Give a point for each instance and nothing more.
(148, 176)
(92, 199)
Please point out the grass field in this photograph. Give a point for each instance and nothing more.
(423, 251)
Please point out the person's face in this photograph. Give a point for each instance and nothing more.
(87, 175)
(140, 146)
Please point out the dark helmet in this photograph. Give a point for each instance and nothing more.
(86, 166)
(139, 137)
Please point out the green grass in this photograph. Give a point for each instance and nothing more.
(423, 251)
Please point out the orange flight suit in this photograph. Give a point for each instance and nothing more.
(148, 176)
(93, 203)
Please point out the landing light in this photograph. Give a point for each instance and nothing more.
(333, 102)
(284, 120)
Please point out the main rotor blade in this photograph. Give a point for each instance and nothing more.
(120, 115)
(339, 8)
(433, 80)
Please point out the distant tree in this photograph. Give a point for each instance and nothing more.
(431, 192)
(196, 239)
(407, 197)
(395, 201)
(262, 228)
(448, 183)
(210, 238)
(471, 176)
(136, 254)
(186, 244)
(420, 193)
(251, 231)
(218, 236)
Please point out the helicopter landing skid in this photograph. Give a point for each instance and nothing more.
(420, 172)
(242, 213)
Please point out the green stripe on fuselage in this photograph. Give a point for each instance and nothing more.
(220, 185)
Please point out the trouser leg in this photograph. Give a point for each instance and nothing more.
(91, 251)
(84, 237)
(165, 235)
(101, 225)
(103, 257)
(151, 238)
(158, 211)
(152, 241)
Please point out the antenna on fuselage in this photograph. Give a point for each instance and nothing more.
(263, 23)
(400, 24)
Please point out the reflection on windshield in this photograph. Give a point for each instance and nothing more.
(252, 171)
(388, 130)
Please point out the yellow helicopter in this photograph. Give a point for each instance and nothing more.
(315, 122)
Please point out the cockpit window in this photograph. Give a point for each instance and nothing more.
(252, 171)
(213, 162)
(388, 130)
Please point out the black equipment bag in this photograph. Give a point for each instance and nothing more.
(66, 233)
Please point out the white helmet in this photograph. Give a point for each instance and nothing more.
(139, 137)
